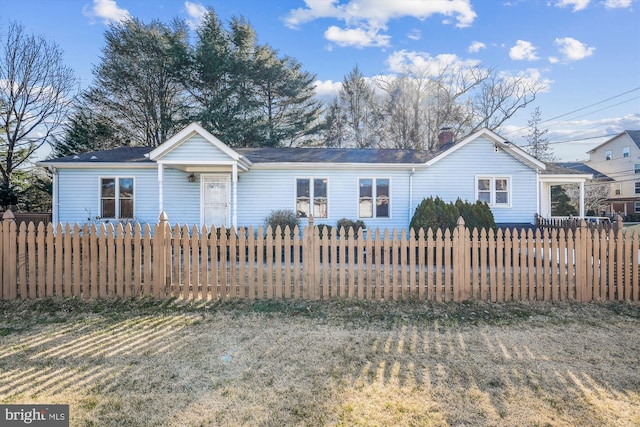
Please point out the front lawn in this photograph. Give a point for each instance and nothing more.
(142, 363)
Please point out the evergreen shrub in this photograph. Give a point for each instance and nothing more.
(436, 214)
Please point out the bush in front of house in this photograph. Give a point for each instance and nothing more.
(436, 214)
(283, 218)
(351, 227)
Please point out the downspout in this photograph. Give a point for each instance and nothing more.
(582, 199)
(160, 188)
(54, 196)
(235, 195)
(413, 171)
(538, 202)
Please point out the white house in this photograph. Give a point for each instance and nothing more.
(619, 159)
(197, 179)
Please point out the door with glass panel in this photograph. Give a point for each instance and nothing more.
(215, 200)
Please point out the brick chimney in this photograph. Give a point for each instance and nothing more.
(445, 136)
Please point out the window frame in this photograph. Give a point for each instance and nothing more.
(637, 187)
(626, 151)
(117, 199)
(374, 197)
(493, 191)
(636, 207)
(608, 155)
(312, 197)
(636, 168)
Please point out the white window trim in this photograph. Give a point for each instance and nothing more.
(626, 151)
(492, 185)
(608, 155)
(636, 207)
(374, 195)
(311, 195)
(117, 196)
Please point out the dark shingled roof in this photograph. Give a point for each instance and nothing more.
(334, 155)
(267, 155)
(560, 169)
(635, 136)
(578, 167)
(114, 155)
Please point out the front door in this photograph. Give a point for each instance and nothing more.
(215, 200)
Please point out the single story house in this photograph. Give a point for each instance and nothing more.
(197, 179)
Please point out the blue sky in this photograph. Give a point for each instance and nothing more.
(587, 51)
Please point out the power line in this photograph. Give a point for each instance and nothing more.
(591, 105)
(584, 108)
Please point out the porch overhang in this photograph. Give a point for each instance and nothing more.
(546, 181)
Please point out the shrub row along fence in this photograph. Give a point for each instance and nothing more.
(190, 263)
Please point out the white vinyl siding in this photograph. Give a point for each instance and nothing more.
(455, 177)
(261, 191)
(79, 194)
(196, 148)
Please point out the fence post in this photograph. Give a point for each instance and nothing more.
(583, 260)
(619, 262)
(9, 275)
(459, 262)
(309, 261)
(161, 269)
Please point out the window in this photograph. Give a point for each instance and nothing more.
(638, 187)
(311, 197)
(607, 155)
(116, 198)
(495, 191)
(636, 168)
(636, 207)
(374, 190)
(618, 189)
(625, 151)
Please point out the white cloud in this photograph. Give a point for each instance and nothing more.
(476, 46)
(415, 34)
(577, 4)
(553, 59)
(370, 17)
(327, 89)
(357, 37)
(195, 13)
(107, 10)
(572, 49)
(523, 51)
(617, 4)
(403, 61)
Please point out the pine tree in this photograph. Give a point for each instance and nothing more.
(538, 144)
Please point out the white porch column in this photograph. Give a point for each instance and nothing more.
(234, 178)
(581, 199)
(54, 197)
(160, 187)
(538, 195)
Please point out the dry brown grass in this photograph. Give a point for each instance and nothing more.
(139, 363)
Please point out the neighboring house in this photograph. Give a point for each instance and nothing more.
(619, 159)
(197, 179)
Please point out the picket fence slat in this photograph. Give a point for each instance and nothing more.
(220, 263)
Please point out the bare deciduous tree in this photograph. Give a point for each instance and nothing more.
(420, 101)
(595, 195)
(36, 92)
